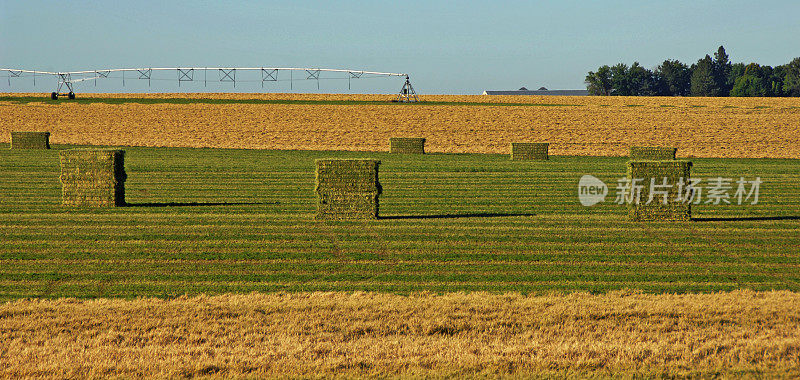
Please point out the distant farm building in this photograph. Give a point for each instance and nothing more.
(540, 91)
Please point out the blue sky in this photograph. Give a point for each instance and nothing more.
(452, 47)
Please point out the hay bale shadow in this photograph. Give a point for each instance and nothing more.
(196, 204)
(745, 218)
(454, 216)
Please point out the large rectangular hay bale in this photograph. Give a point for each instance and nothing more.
(347, 189)
(656, 153)
(530, 151)
(93, 177)
(677, 174)
(30, 140)
(409, 145)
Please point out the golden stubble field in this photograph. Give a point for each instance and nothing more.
(740, 333)
(699, 127)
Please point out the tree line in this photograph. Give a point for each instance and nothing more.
(715, 76)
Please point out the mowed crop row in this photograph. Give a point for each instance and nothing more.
(596, 126)
(620, 334)
(217, 221)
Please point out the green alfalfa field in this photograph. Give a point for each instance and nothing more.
(217, 221)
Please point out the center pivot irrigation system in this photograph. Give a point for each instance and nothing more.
(68, 79)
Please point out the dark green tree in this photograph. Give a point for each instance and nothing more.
(644, 82)
(773, 79)
(737, 70)
(749, 85)
(655, 86)
(640, 80)
(676, 77)
(722, 70)
(599, 83)
(703, 82)
(791, 78)
(778, 75)
(715, 76)
(620, 82)
(754, 82)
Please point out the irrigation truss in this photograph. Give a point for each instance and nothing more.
(69, 79)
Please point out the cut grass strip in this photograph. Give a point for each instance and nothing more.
(518, 225)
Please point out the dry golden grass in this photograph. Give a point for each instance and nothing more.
(371, 334)
(699, 127)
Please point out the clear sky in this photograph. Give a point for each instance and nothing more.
(451, 47)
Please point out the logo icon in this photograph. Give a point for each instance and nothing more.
(591, 190)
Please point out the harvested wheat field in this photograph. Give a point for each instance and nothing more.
(741, 333)
(605, 126)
